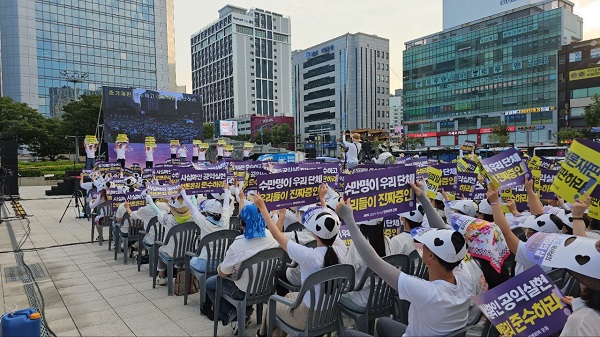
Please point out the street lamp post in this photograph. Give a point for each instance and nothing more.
(74, 77)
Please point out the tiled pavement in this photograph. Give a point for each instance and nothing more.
(86, 292)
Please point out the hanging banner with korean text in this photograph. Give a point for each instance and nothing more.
(382, 194)
(506, 170)
(526, 305)
(580, 171)
(202, 182)
(290, 189)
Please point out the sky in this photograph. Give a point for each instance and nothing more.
(315, 21)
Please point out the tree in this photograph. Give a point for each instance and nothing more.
(410, 143)
(499, 135)
(242, 138)
(566, 136)
(281, 135)
(19, 122)
(263, 136)
(591, 114)
(209, 130)
(51, 141)
(80, 117)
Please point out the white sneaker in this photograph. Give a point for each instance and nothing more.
(161, 281)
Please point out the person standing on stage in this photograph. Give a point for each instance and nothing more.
(246, 150)
(352, 149)
(120, 148)
(220, 150)
(182, 152)
(173, 151)
(150, 156)
(195, 150)
(90, 154)
(201, 154)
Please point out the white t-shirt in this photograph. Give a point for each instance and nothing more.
(403, 243)
(195, 151)
(242, 249)
(227, 154)
(202, 155)
(438, 307)
(90, 151)
(523, 260)
(352, 152)
(173, 149)
(247, 153)
(121, 152)
(310, 260)
(584, 321)
(182, 152)
(150, 155)
(220, 150)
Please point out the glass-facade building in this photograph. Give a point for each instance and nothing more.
(46, 45)
(461, 82)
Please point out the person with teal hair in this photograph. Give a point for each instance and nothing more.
(254, 240)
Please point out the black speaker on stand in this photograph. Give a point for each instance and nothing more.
(9, 169)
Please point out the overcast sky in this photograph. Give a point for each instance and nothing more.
(315, 21)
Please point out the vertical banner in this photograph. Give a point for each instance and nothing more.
(526, 305)
(506, 169)
(382, 194)
(434, 178)
(290, 189)
(579, 172)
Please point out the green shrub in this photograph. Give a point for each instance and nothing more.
(30, 173)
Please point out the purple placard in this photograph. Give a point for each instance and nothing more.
(104, 168)
(382, 194)
(345, 234)
(162, 191)
(368, 167)
(470, 166)
(284, 168)
(115, 198)
(466, 183)
(422, 164)
(136, 200)
(341, 182)
(506, 168)
(479, 194)
(526, 305)
(202, 181)
(520, 197)
(546, 179)
(147, 173)
(250, 179)
(114, 182)
(448, 182)
(165, 175)
(392, 226)
(546, 163)
(290, 189)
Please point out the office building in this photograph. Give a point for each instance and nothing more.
(241, 64)
(460, 82)
(53, 50)
(454, 12)
(396, 112)
(578, 81)
(341, 84)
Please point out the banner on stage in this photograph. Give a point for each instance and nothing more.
(136, 200)
(202, 182)
(290, 189)
(162, 191)
(526, 305)
(382, 194)
(506, 170)
(579, 172)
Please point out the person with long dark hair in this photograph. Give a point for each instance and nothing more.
(325, 226)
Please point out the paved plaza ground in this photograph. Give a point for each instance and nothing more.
(87, 292)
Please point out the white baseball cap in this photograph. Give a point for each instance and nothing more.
(446, 244)
(213, 206)
(467, 207)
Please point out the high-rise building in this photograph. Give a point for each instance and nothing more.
(53, 50)
(341, 84)
(458, 12)
(396, 111)
(241, 64)
(460, 82)
(578, 81)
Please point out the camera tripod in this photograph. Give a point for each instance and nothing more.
(79, 204)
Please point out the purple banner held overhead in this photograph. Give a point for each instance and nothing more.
(165, 175)
(392, 226)
(202, 181)
(479, 194)
(520, 197)
(368, 167)
(162, 191)
(422, 164)
(112, 168)
(284, 168)
(382, 194)
(250, 179)
(115, 198)
(526, 305)
(546, 179)
(290, 189)
(136, 200)
(506, 169)
(448, 182)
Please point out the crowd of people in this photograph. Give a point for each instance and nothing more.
(462, 261)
